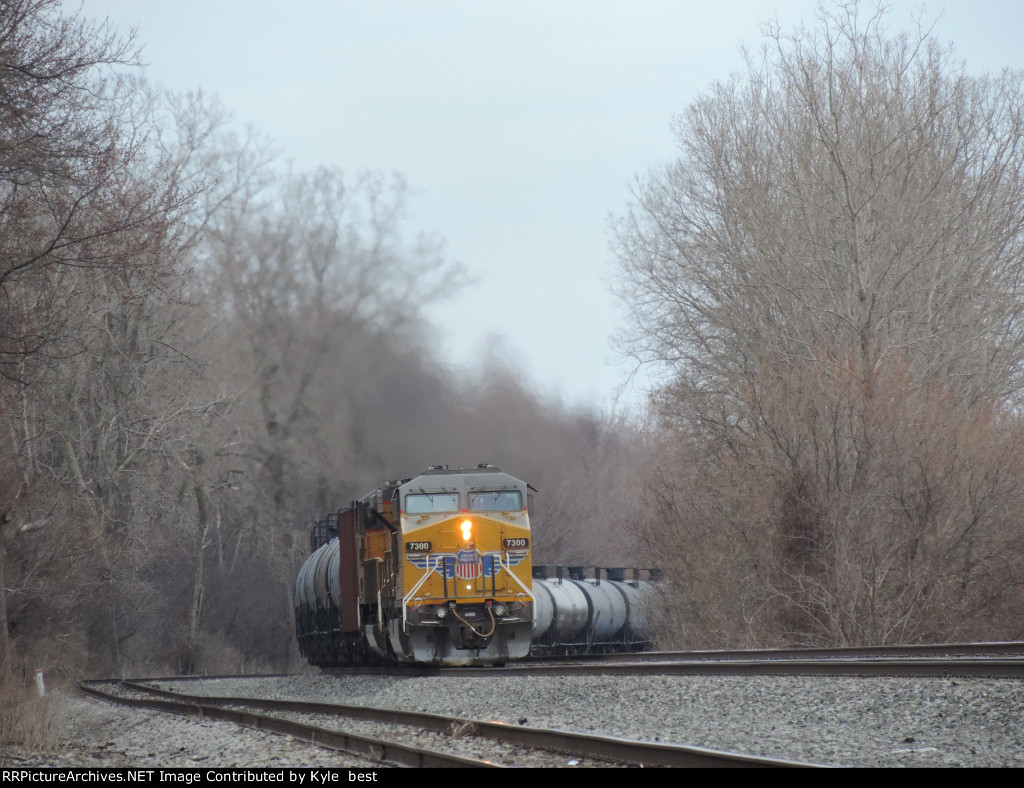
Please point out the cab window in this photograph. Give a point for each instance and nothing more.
(496, 501)
(430, 503)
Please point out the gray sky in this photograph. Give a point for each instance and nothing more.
(520, 125)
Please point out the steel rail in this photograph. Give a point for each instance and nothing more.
(950, 650)
(949, 668)
(372, 749)
(608, 748)
(976, 667)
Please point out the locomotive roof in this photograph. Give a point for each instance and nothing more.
(480, 476)
(443, 469)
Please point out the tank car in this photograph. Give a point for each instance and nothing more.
(591, 610)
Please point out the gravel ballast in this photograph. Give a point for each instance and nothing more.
(98, 734)
(835, 721)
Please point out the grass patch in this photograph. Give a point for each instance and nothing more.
(27, 719)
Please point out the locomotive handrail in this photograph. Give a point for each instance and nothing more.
(431, 569)
(529, 593)
(408, 597)
(379, 566)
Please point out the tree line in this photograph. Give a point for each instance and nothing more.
(831, 275)
(202, 351)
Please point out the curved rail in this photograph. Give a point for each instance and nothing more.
(372, 749)
(605, 748)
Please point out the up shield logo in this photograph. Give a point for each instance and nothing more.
(468, 564)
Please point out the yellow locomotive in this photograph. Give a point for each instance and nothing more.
(432, 569)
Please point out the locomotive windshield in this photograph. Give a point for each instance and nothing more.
(429, 503)
(496, 501)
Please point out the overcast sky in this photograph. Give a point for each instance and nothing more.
(520, 125)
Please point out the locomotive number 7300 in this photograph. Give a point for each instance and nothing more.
(515, 544)
(417, 547)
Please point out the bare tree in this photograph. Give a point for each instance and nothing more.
(300, 279)
(79, 214)
(832, 272)
(69, 203)
(168, 438)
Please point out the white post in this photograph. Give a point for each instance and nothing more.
(40, 686)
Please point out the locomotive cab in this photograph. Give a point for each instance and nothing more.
(466, 567)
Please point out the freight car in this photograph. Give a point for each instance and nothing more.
(591, 610)
(438, 569)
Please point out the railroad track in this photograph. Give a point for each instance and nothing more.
(922, 666)
(968, 660)
(434, 740)
(515, 744)
(1008, 649)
